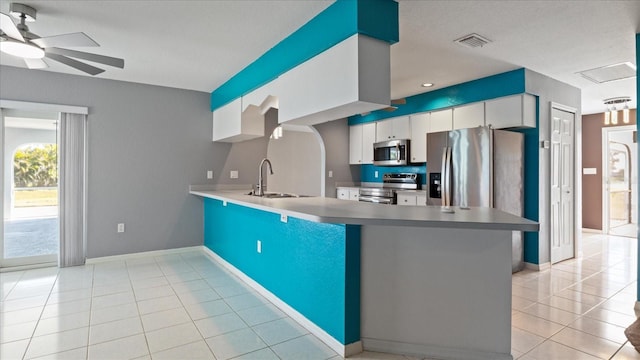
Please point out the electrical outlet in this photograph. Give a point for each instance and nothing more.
(259, 247)
(121, 227)
(233, 174)
(209, 174)
(283, 218)
(224, 202)
(375, 174)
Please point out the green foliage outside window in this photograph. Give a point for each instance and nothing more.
(36, 166)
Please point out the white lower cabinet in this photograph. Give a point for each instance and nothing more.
(412, 198)
(348, 193)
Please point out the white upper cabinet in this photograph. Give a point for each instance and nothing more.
(350, 78)
(419, 130)
(231, 124)
(468, 116)
(361, 139)
(511, 111)
(393, 129)
(441, 120)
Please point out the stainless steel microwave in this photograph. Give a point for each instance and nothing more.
(391, 153)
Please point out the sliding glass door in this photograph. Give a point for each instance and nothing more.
(30, 188)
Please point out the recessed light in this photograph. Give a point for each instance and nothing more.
(427, 85)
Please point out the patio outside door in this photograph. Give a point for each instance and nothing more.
(29, 153)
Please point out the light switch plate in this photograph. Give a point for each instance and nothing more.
(209, 174)
(233, 174)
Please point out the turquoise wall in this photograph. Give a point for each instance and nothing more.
(313, 267)
(341, 20)
(491, 87)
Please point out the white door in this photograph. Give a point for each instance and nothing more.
(562, 170)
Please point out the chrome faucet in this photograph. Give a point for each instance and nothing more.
(260, 191)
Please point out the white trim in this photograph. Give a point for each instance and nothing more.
(42, 107)
(430, 351)
(537, 267)
(566, 108)
(142, 254)
(335, 345)
(29, 267)
(605, 171)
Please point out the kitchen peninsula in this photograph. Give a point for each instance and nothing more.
(409, 280)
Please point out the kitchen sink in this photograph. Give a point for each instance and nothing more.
(274, 195)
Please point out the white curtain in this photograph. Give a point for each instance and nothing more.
(72, 185)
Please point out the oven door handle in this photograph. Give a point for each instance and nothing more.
(375, 199)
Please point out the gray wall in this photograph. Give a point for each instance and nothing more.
(335, 135)
(147, 144)
(296, 158)
(550, 90)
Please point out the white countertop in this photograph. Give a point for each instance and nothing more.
(331, 210)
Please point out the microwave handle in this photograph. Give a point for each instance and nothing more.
(398, 153)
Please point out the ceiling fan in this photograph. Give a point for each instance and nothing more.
(19, 41)
(392, 107)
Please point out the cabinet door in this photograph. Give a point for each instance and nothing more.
(421, 199)
(227, 120)
(394, 128)
(441, 121)
(468, 116)
(406, 199)
(343, 193)
(354, 194)
(401, 128)
(419, 130)
(368, 138)
(384, 130)
(511, 111)
(355, 144)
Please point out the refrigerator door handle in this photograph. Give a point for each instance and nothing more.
(448, 178)
(443, 180)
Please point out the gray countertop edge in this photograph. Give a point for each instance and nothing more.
(357, 213)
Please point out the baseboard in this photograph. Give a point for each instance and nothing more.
(28, 267)
(143, 254)
(435, 352)
(593, 231)
(537, 267)
(342, 349)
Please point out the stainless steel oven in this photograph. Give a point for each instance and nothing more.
(391, 183)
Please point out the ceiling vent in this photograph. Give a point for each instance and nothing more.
(473, 41)
(610, 73)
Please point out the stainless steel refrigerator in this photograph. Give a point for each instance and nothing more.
(478, 167)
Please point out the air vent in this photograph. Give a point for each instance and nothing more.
(610, 73)
(473, 41)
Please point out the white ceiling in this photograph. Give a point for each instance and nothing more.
(198, 45)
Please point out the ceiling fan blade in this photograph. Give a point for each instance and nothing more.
(92, 70)
(36, 63)
(402, 101)
(9, 28)
(107, 60)
(65, 40)
(390, 108)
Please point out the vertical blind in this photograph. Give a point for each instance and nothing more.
(72, 182)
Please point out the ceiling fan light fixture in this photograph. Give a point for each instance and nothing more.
(427, 84)
(22, 50)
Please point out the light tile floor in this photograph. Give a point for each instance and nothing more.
(184, 306)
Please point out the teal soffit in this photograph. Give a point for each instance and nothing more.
(374, 18)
